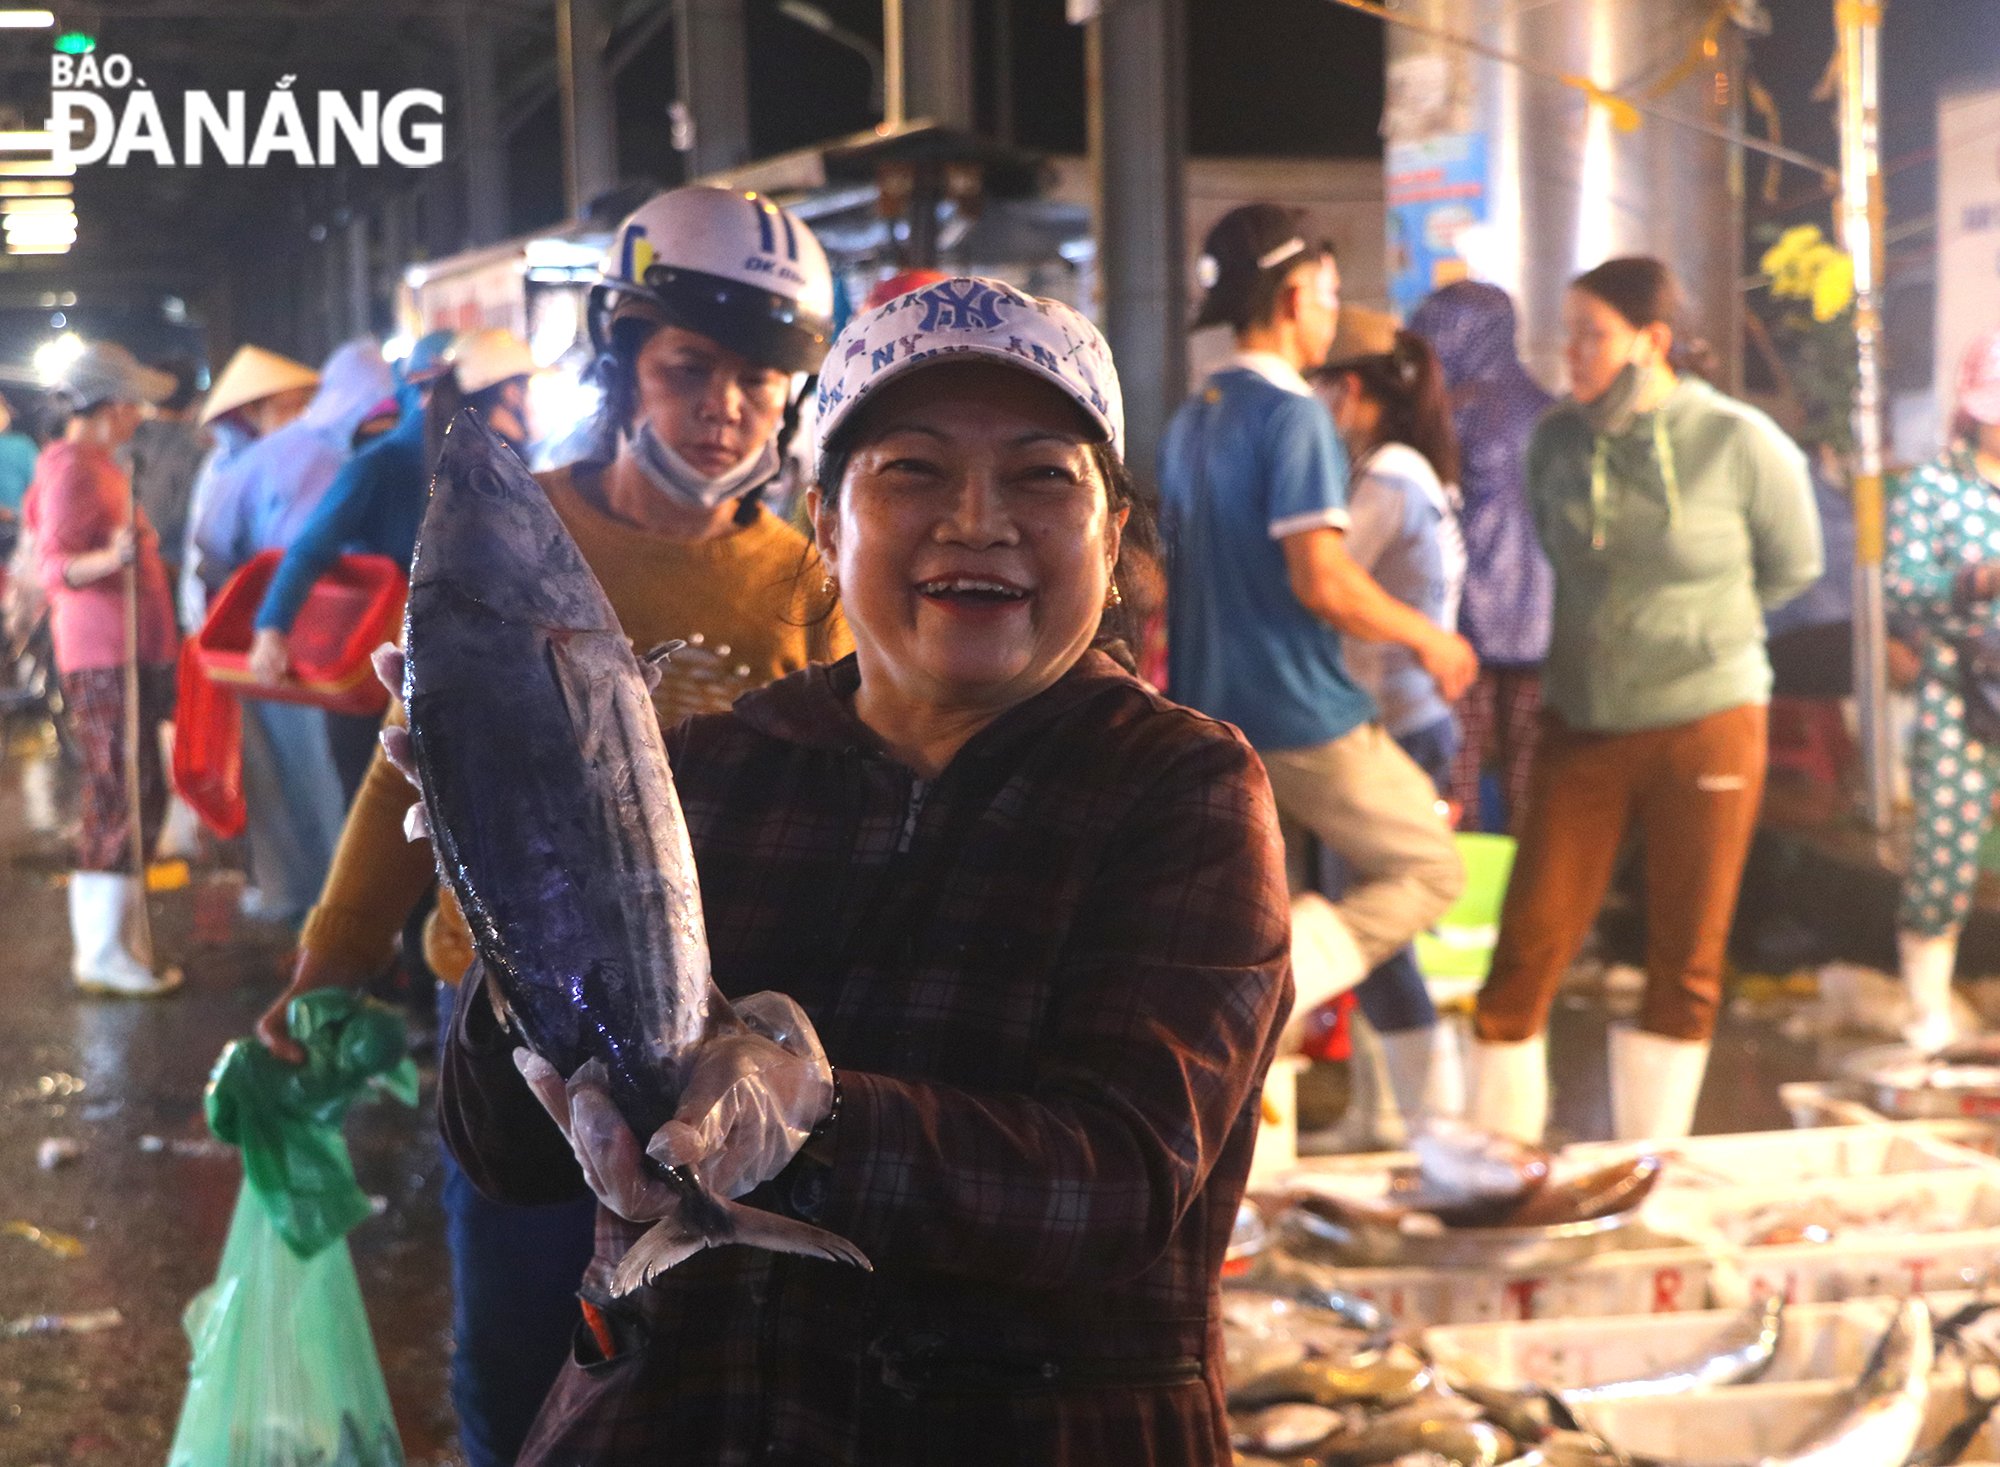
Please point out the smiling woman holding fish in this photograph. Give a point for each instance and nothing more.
(1033, 917)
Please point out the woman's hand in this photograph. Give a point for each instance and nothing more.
(270, 655)
(751, 1101)
(309, 972)
(94, 565)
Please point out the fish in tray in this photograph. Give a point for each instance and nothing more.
(1743, 1353)
(1470, 1178)
(545, 781)
(1878, 1424)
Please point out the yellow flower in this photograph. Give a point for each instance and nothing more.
(1783, 260)
(1833, 285)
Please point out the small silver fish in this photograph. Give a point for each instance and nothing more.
(1286, 1430)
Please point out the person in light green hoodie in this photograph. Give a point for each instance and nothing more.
(1674, 517)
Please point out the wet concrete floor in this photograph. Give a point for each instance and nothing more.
(150, 1214)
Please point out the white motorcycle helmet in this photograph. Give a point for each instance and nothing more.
(731, 265)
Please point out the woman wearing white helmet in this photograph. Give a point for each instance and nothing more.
(711, 308)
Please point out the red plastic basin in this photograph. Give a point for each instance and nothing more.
(350, 611)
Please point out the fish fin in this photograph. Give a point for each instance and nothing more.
(676, 1238)
(759, 1229)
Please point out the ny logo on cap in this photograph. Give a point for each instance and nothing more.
(959, 305)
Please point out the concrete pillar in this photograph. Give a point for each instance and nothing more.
(589, 116)
(485, 141)
(936, 59)
(714, 81)
(1137, 76)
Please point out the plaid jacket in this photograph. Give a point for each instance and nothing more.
(1051, 980)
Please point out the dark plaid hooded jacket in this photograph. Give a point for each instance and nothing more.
(1051, 980)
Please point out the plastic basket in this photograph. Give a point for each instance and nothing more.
(1458, 952)
(349, 612)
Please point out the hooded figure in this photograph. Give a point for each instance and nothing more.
(1495, 406)
(287, 474)
(1509, 590)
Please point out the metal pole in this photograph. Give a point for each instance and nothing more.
(894, 74)
(360, 285)
(711, 52)
(589, 131)
(937, 61)
(1859, 26)
(135, 802)
(485, 151)
(1136, 60)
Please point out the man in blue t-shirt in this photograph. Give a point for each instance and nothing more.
(1260, 590)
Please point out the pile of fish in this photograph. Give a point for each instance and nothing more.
(1317, 1380)
(1468, 1182)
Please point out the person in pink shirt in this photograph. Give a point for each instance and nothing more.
(87, 530)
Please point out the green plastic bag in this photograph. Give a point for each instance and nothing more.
(287, 1118)
(284, 1371)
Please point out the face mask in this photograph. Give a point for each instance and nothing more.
(676, 478)
(1611, 412)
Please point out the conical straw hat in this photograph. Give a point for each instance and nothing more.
(252, 375)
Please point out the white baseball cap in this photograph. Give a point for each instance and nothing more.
(968, 317)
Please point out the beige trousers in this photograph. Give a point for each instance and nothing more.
(1368, 801)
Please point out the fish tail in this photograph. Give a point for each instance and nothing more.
(708, 1222)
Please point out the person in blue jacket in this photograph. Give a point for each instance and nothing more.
(373, 507)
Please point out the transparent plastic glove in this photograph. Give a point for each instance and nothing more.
(751, 1101)
(395, 739)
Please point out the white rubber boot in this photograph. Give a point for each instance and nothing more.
(1445, 1099)
(99, 902)
(1510, 1088)
(1655, 1082)
(1371, 1121)
(1408, 1055)
(1928, 963)
(1325, 963)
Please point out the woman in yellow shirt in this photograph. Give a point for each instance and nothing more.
(712, 309)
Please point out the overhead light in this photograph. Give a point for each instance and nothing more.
(50, 208)
(35, 188)
(59, 247)
(27, 20)
(55, 354)
(17, 141)
(43, 230)
(22, 223)
(35, 168)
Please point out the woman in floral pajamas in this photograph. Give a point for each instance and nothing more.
(1944, 574)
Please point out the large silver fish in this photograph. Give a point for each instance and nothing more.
(545, 780)
(1743, 1352)
(1878, 1423)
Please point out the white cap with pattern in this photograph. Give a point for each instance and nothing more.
(968, 317)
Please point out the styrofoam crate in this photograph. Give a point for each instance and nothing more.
(1637, 1281)
(1766, 1158)
(1809, 1273)
(1954, 1200)
(1819, 1342)
(1747, 1423)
